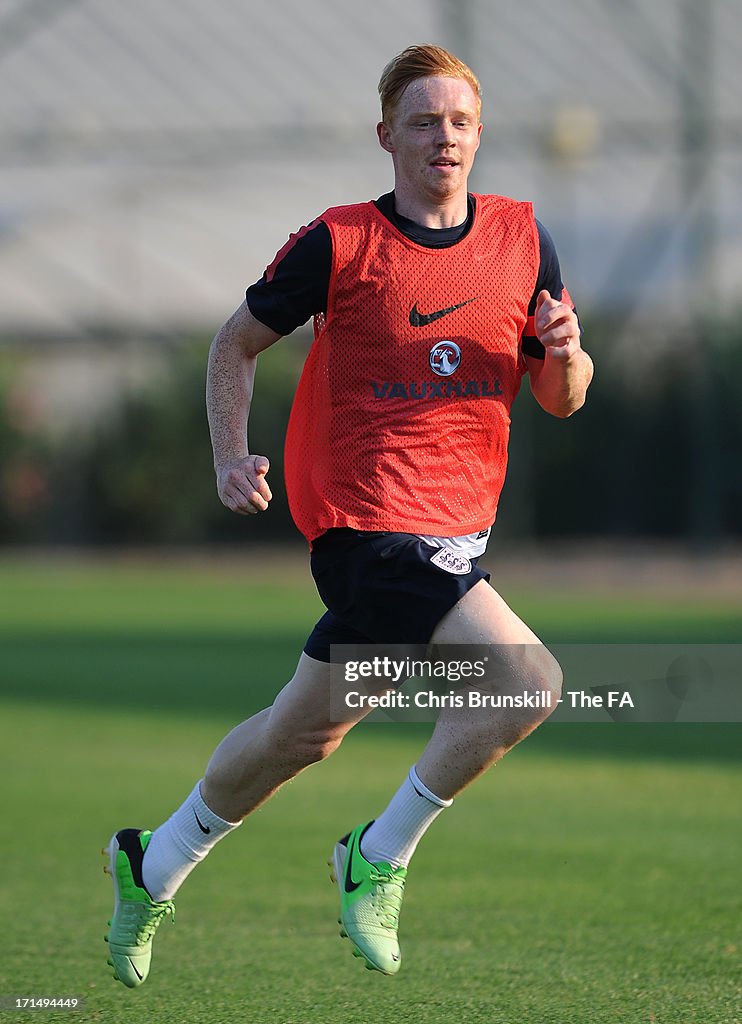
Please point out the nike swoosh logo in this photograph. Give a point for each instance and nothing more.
(350, 884)
(203, 829)
(418, 319)
(135, 969)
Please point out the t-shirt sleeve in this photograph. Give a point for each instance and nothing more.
(550, 278)
(294, 287)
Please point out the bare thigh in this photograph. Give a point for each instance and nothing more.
(469, 739)
(304, 704)
(481, 616)
(486, 627)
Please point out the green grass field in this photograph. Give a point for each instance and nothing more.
(591, 877)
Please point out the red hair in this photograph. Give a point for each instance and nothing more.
(421, 62)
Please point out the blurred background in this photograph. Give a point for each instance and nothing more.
(155, 155)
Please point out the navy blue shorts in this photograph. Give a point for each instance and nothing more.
(383, 588)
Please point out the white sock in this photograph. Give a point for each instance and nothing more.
(394, 836)
(180, 844)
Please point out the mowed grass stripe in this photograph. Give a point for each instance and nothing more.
(111, 596)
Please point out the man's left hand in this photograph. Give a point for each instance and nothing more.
(557, 327)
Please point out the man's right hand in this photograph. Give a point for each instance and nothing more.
(242, 485)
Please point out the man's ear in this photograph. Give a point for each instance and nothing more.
(385, 137)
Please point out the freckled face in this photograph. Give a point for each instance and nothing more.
(433, 135)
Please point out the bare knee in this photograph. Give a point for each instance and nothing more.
(545, 678)
(316, 745)
(303, 746)
(271, 745)
(525, 690)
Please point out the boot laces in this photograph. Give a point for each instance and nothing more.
(144, 918)
(387, 896)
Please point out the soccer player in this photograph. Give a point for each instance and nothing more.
(429, 304)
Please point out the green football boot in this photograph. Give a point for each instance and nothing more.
(136, 917)
(370, 902)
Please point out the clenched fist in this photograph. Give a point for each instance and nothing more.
(557, 327)
(242, 486)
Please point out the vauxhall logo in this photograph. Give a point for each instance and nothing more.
(437, 389)
(444, 360)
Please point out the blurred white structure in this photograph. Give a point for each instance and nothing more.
(155, 154)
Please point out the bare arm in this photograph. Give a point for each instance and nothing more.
(560, 381)
(240, 476)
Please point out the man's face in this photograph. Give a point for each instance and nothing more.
(433, 135)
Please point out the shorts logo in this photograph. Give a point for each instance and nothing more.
(446, 559)
(445, 358)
